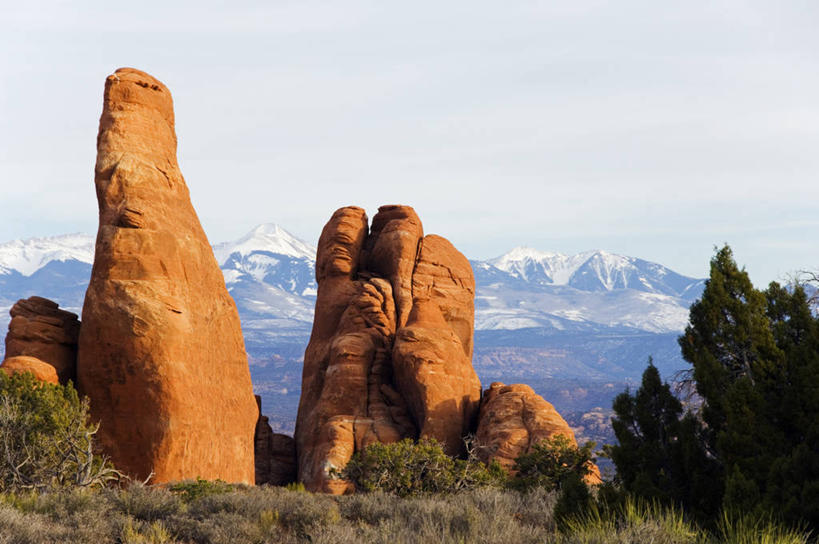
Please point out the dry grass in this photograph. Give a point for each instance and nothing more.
(151, 515)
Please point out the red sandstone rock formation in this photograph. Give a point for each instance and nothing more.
(275, 453)
(22, 363)
(391, 348)
(161, 353)
(38, 328)
(513, 419)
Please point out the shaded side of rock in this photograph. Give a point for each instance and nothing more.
(161, 352)
(40, 329)
(275, 454)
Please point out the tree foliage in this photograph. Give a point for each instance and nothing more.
(45, 437)
(660, 454)
(754, 359)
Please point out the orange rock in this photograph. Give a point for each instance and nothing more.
(432, 357)
(513, 418)
(391, 252)
(352, 394)
(346, 400)
(22, 363)
(161, 353)
(38, 328)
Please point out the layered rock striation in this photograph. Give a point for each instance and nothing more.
(161, 353)
(390, 352)
(40, 329)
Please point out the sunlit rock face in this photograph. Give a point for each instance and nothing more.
(40, 329)
(513, 418)
(391, 348)
(161, 354)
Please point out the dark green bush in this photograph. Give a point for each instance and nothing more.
(408, 468)
(45, 437)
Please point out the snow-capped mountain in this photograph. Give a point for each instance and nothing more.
(563, 323)
(266, 238)
(271, 275)
(26, 257)
(527, 288)
(595, 271)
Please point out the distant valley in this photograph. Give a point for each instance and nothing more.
(578, 328)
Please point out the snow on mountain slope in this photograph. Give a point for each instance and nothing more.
(266, 238)
(594, 271)
(29, 256)
(271, 275)
(565, 308)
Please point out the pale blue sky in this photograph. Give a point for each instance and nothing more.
(650, 128)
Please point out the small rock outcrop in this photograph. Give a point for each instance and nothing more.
(40, 329)
(275, 453)
(40, 369)
(161, 352)
(512, 419)
(390, 355)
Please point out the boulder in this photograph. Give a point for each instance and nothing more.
(22, 363)
(161, 353)
(39, 328)
(383, 362)
(512, 419)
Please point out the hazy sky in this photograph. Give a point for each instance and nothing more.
(650, 128)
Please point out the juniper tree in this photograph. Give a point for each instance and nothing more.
(660, 453)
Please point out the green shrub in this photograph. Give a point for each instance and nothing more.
(551, 463)
(190, 490)
(407, 468)
(45, 437)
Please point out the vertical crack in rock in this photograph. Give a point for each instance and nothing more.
(389, 356)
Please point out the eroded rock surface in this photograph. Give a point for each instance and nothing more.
(161, 353)
(391, 347)
(512, 419)
(40, 329)
(22, 363)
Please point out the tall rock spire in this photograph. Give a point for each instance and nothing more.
(390, 356)
(161, 353)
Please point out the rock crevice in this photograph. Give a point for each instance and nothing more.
(390, 354)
